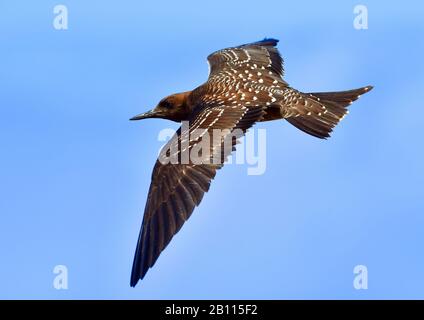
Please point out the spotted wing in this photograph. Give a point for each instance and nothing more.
(261, 56)
(176, 189)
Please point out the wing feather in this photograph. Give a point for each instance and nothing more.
(261, 55)
(176, 189)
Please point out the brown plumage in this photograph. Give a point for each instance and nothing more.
(245, 86)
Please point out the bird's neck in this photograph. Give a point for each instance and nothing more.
(185, 106)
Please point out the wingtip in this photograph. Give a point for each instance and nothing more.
(269, 41)
(265, 42)
(134, 281)
(137, 274)
(365, 89)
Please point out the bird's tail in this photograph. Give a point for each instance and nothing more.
(318, 113)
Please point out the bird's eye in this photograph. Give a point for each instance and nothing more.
(166, 104)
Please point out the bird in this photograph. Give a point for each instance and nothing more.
(245, 86)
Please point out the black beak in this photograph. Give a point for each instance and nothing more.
(145, 115)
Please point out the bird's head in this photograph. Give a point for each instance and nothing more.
(173, 107)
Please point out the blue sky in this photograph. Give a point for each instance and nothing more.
(75, 172)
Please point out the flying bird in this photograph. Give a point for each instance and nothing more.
(245, 86)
